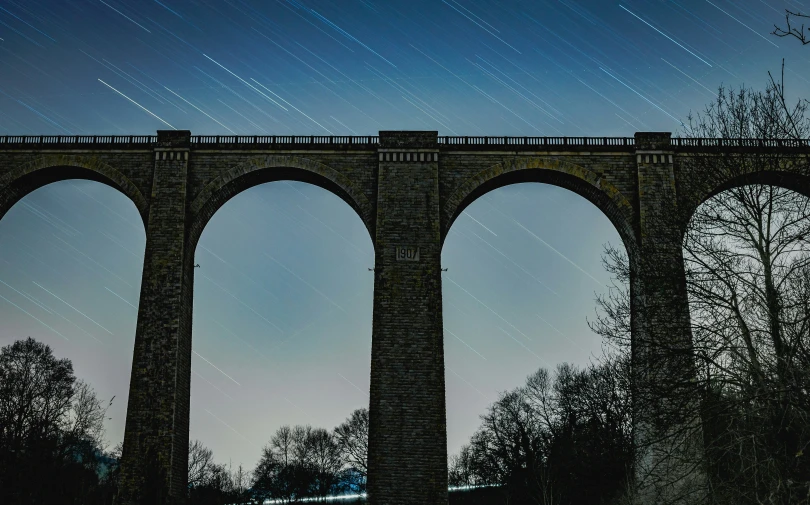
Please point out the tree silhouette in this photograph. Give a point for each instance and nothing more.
(790, 30)
(200, 464)
(51, 431)
(352, 438)
(747, 278)
(561, 439)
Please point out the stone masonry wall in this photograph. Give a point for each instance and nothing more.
(155, 456)
(618, 168)
(662, 342)
(405, 190)
(24, 171)
(407, 423)
(358, 166)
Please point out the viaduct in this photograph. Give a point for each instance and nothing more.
(408, 187)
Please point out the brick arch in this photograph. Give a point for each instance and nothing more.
(791, 180)
(584, 182)
(45, 170)
(270, 168)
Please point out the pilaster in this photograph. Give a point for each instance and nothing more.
(154, 463)
(667, 425)
(407, 457)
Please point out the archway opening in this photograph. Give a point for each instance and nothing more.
(281, 324)
(71, 259)
(747, 268)
(524, 264)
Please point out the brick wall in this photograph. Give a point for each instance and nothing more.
(662, 337)
(407, 422)
(408, 191)
(154, 464)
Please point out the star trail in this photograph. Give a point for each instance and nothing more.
(283, 296)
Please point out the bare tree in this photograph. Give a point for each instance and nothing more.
(326, 460)
(301, 449)
(287, 469)
(746, 255)
(301, 461)
(613, 311)
(282, 445)
(747, 262)
(51, 430)
(36, 392)
(87, 415)
(212, 483)
(460, 468)
(241, 481)
(200, 463)
(556, 440)
(791, 30)
(265, 474)
(352, 437)
(742, 416)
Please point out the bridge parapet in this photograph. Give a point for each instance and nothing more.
(367, 142)
(407, 187)
(174, 138)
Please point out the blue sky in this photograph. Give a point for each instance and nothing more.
(283, 297)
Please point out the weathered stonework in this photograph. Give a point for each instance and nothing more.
(661, 312)
(408, 188)
(155, 456)
(407, 421)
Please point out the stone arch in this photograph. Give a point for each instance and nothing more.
(582, 181)
(790, 180)
(270, 168)
(44, 170)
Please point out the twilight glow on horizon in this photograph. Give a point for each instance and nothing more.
(283, 296)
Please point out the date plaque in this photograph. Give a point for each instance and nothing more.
(407, 253)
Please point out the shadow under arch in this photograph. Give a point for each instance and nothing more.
(548, 170)
(272, 168)
(48, 169)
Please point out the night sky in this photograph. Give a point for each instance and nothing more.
(283, 295)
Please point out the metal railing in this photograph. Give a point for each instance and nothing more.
(740, 142)
(232, 141)
(285, 139)
(78, 139)
(538, 141)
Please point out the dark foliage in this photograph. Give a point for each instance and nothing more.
(50, 432)
(566, 441)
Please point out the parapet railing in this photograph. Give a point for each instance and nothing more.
(745, 142)
(373, 141)
(78, 139)
(285, 139)
(538, 141)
